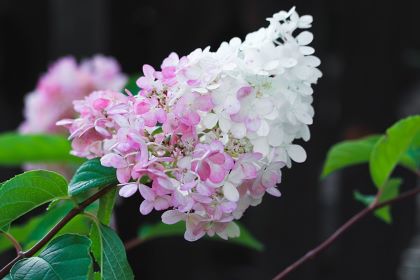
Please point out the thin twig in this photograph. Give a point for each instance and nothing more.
(41, 243)
(13, 241)
(339, 232)
(133, 243)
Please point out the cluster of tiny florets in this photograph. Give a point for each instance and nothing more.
(210, 130)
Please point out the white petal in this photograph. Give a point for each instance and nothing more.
(200, 90)
(305, 133)
(273, 115)
(305, 21)
(271, 65)
(304, 38)
(264, 129)
(210, 120)
(224, 124)
(233, 230)
(312, 61)
(263, 106)
(287, 62)
(303, 72)
(276, 137)
(213, 86)
(230, 192)
(232, 105)
(261, 146)
(238, 130)
(281, 155)
(305, 50)
(296, 153)
(304, 117)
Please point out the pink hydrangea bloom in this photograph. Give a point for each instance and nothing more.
(65, 82)
(211, 130)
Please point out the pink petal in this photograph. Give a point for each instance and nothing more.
(188, 186)
(218, 158)
(252, 124)
(193, 118)
(171, 217)
(169, 72)
(204, 103)
(269, 179)
(142, 107)
(203, 170)
(243, 92)
(128, 190)
(144, 83)
(161, 204)
(217, 173)
(147, 193)
(101, 103)
(274, 191)
(150, 119)
(164, 183)
(123, 175)
(161, 115)
(113, 160)
(203, 190)
(148, 71)
(228, 207)
(249, 170)
(146, 207)
(216, 146)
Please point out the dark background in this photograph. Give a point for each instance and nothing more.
(370, 52)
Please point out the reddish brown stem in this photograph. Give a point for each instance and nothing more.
(41, 243)
(133, 243)
(13, 241)
(339, 232)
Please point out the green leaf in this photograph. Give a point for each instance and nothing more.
(366, 199)
(91, 174)
(5, 227)
(109, 252)
(66, 257)
(390, 191)
(160, 230)
(106, 205)
(131, 84)
(29, 233)
(17, 149)
(391, 147)
(157, 131)
(27, 191)
(411, 158)
(349, 153)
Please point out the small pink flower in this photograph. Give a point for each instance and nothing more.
(148, 82)
(211, 162)
(152, 201)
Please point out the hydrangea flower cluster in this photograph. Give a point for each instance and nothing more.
(65, 82)
(210, 130)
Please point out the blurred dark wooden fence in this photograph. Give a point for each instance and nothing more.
(370, 53)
